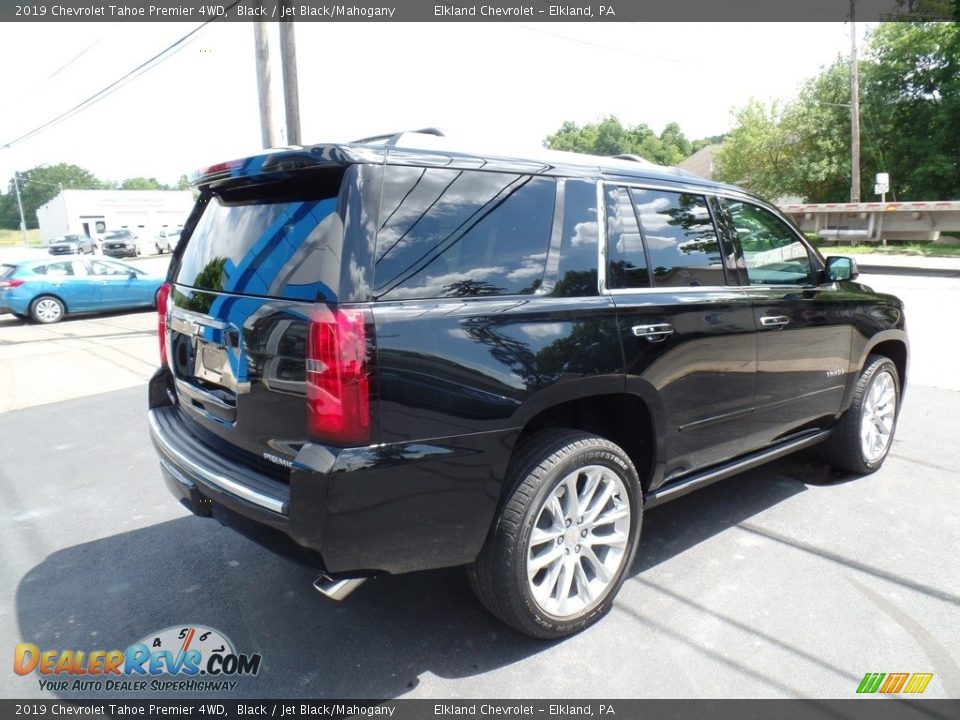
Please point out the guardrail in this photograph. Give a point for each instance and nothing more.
(876, 221)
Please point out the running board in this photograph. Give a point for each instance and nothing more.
(679, 488)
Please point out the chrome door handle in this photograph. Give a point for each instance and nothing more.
(653, 333)
(774, 320)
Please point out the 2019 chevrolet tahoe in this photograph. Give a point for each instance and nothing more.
(396, 355)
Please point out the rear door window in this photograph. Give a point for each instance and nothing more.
(680, 238)
(461, 233)
(58, 268)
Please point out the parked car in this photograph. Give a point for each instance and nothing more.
(397, 355)
(48, 290)
(120, 243)
(73, 244)
(167, 240)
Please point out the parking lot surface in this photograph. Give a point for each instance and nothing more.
(787, 581)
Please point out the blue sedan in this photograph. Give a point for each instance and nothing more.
(47, 290)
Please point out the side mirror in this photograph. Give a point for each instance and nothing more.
(132, 275)
(841, 268)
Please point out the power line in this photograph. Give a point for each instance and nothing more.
(143, 67)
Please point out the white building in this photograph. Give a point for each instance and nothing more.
(145, 212)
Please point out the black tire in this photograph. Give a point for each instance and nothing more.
(540, 467)
(844, 448)
(47, 309)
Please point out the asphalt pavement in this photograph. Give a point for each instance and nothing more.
(788, 581)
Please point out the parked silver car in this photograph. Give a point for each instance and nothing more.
(120, 243)
(73, 244)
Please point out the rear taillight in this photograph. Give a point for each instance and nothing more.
(338, 381)
(163, 295)
(10, 284)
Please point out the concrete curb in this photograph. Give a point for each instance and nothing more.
(908, 265)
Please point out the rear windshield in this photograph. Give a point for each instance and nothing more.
(7, 270)
(278, 241)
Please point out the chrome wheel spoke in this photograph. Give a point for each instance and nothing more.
(540, 536)
(602, 573)
(583, 584)
(536, 564)
(563, 586)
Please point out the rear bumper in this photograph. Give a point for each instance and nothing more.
(355, 511)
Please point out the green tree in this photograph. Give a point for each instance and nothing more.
(817, 128)
(41, 184)
(757, 153)
(143, 183)
(912, 98)
(610, 137)
(909, 124)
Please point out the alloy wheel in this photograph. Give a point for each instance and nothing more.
(578, 542)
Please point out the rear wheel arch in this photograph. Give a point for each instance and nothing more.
(625, 419)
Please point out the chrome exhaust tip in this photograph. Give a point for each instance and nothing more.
(336, 589)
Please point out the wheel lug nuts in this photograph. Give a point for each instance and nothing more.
(569, 522)
(583, 533)
(578, 548)
(567, 551)
(559, 541)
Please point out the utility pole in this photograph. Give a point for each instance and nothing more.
(23, 222)
(291, 95)
(268, 129)
(854, 109)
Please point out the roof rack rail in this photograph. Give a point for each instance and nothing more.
(392, 138)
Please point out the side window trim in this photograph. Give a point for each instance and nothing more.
(602, 254)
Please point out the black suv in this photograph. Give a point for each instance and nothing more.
(392, 355)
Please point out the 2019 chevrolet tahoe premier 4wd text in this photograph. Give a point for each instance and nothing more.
(391, 355)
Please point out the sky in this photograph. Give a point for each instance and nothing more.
(508, 84)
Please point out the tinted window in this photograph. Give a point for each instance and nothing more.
(8, 270)
(459, 233)
(626, 261)
(772, 252)
(279, 241)
(577, 270)
(102, 267)
(58, 268)
(680, 238)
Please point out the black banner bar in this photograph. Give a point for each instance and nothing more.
(855, 709)
(197, 11)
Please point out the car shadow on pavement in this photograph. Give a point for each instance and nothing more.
(112, 592)
(670, 529)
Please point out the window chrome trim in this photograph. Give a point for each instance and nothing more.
(601, 239)
(684, 289)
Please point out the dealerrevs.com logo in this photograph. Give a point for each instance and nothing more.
(181, 658)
